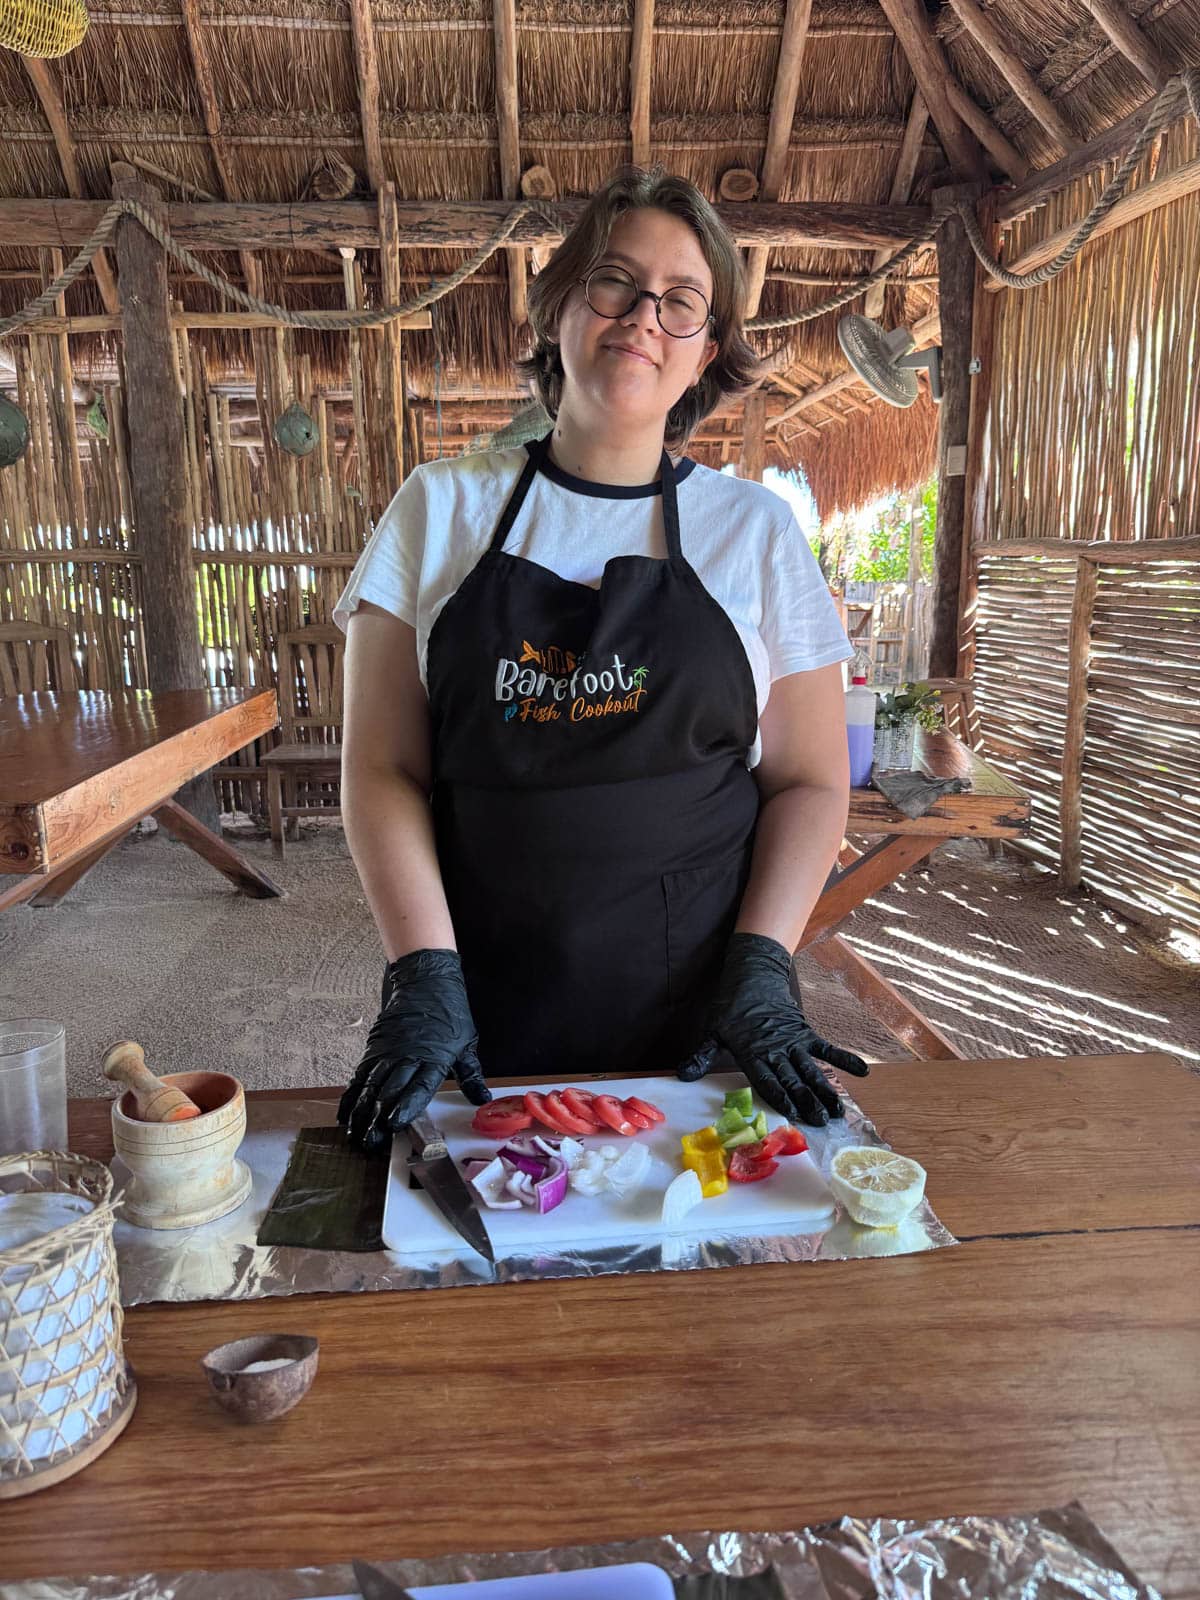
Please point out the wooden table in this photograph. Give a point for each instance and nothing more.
(78, 770)
(1053, 1355)
(992, 808)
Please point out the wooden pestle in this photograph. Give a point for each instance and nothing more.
(125, 1063)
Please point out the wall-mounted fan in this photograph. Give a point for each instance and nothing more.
(888, 361)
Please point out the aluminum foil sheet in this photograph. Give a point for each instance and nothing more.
(222, 1261)
(1049, 1555)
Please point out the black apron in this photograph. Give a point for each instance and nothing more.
(593, 809)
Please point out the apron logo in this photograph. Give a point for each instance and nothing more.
(549, 684)
(551, 659)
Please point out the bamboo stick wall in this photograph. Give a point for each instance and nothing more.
(1094, 416)
(1087, 671)
(276, 536)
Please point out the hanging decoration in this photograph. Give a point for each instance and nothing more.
(97, 418)
(295, 431)
(529, 422)
(14, 433)
(42, 28)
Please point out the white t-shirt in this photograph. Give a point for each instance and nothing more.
(742, 541)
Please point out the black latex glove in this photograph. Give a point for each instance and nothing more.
(755, 1016)
(423, 1033)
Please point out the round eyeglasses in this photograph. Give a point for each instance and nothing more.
(682, 311)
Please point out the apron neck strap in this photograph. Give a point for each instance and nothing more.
(670, 511)
(540, 450)
(537, 454)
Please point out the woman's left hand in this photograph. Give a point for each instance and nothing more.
(757, 1019)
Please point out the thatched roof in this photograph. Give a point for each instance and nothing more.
(278, 93)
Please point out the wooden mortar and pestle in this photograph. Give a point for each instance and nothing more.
(179, 1137)
(157, 1101)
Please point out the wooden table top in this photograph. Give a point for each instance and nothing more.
(992, 807)
(75, 766)
(1052, 1356)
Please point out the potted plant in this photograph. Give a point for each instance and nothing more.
(898, 714)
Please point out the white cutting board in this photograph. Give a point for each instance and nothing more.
(795, 1199)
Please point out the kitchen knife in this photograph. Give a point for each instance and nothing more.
(376, 1585)
(434, 1169)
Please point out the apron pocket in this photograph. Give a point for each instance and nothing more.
(702, 906)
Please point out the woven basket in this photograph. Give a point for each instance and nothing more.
(65, 1390)
(42, 27)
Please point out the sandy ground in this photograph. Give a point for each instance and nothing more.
(156, 946)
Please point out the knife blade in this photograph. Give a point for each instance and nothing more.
(433, 1167)
(376, 1585)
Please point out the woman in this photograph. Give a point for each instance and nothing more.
(617, 676)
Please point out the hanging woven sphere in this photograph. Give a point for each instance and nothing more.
(97, 418)
(14, 432)
(295, 431)
(42, 28)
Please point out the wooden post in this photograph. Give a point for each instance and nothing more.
(1079, 649)
(158, 467)
(956, 297)
(983, 343)
(914, 645)
(394, 398)
(754, 435)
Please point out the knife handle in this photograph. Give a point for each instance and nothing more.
(427, 1142)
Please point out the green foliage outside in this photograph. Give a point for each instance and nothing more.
(872, 546)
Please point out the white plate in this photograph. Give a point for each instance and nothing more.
(633, 1581)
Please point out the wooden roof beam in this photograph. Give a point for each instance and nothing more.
(902, 182)
(1129, 39)
(366, 66)
(641, 73)
(211, 112)
(1024, 85)
(449, 224)
(504, 24)
(932, 72)
(779, 128)
(1001, 149)
(47, 90)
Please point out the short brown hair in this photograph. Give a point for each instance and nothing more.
(734, 367)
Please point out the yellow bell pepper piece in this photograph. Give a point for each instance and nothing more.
(703, 1155)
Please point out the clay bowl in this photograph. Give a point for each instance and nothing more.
(261, 1396)
(184, 1174)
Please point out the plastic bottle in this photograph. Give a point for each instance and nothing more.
(860, 727)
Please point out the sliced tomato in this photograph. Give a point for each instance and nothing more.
(748, 1164)
(565, 1118)
(645, 1109)
(612, 1114)
(636, 1117)
(506, 1105)
(785, 1141)
(535, 1105)
(500, 1119)
(579, 1103)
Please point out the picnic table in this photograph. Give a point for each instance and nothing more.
(78, 769)
(1052, 1356)
(992, 807)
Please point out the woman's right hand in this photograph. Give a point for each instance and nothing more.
(423, 1033)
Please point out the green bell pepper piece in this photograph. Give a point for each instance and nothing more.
(741, 1101)
(747, 1134)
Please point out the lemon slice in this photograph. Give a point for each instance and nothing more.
(877, 1187)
